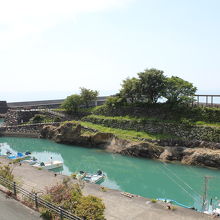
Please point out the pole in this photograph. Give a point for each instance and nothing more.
(14, 188)
(205, 195)
(61, 213)
(36, 201)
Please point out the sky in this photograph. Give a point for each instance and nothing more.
(51, 48)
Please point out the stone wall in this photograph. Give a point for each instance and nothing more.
(14, 117)
(184, 131)
(31, 130)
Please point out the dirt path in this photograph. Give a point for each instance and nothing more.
(118, 206)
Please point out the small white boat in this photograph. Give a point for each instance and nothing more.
(94, 178)
(30, 161)
(49, 165)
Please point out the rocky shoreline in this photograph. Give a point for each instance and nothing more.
(197, 153)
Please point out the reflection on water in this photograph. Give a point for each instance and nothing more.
(143, 177)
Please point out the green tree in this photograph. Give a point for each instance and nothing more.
(179, 91)
(130, 89)
(152, 84)
(72, 103)
(115, 101)
(91, 208)
(88, 95)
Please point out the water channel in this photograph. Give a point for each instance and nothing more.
(148, 178)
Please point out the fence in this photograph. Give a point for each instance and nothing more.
(37, 200)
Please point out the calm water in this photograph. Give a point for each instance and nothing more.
(1, 121)
(147, 178)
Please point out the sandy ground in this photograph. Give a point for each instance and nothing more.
(118, 206)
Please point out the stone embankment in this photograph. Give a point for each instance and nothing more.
(18, 117)
(29, 130)
(184, 131)
(75, 134)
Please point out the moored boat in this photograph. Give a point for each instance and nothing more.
(30, 161)
(98, 177)
(18, 156)
(49, 165)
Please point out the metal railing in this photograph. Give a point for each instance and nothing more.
(37, 200)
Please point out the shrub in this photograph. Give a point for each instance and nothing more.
(90, 207)
(115, 101)
(38, 118)
(57, 119)
(6, 173)
(69, 197)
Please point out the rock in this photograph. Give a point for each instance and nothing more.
(102, 138)
(202, 157)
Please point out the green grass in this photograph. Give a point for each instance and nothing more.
(128, 118)
(144, 119)
(217, 124)
(126, 134)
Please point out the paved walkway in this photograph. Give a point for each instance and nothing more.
(10, 209)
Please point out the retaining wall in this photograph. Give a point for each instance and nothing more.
(185, 131)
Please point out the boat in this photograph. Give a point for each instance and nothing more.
(98, 177)
(80, 175)
(30, 161)
(49, 165)
(18, 156)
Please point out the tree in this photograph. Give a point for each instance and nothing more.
(130, 89)
(72, 103)
(87, 96)
(179, 91)
(152, 84)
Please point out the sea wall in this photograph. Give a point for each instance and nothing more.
(181, 130)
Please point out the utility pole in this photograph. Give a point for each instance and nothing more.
(205, 195)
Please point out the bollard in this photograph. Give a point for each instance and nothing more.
(14, 188)
(61, 213)
(36, 201)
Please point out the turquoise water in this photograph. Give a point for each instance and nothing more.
(1, 121)
(148, 178)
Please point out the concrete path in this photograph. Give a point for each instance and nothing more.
(10, 209)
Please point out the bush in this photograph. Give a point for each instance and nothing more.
(91, 208)
(38, 118)
(57, 119)
(6, 173)
(70, 198)
(115, 101)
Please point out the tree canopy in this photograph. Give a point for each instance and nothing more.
(152, 84)
(72, 103)
(131, 89)
(88, 95)
(178, 90)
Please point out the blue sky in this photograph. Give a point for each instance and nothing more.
(50, 48)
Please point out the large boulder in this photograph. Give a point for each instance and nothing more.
(101, 139)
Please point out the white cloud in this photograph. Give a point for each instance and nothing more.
(24, 17)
